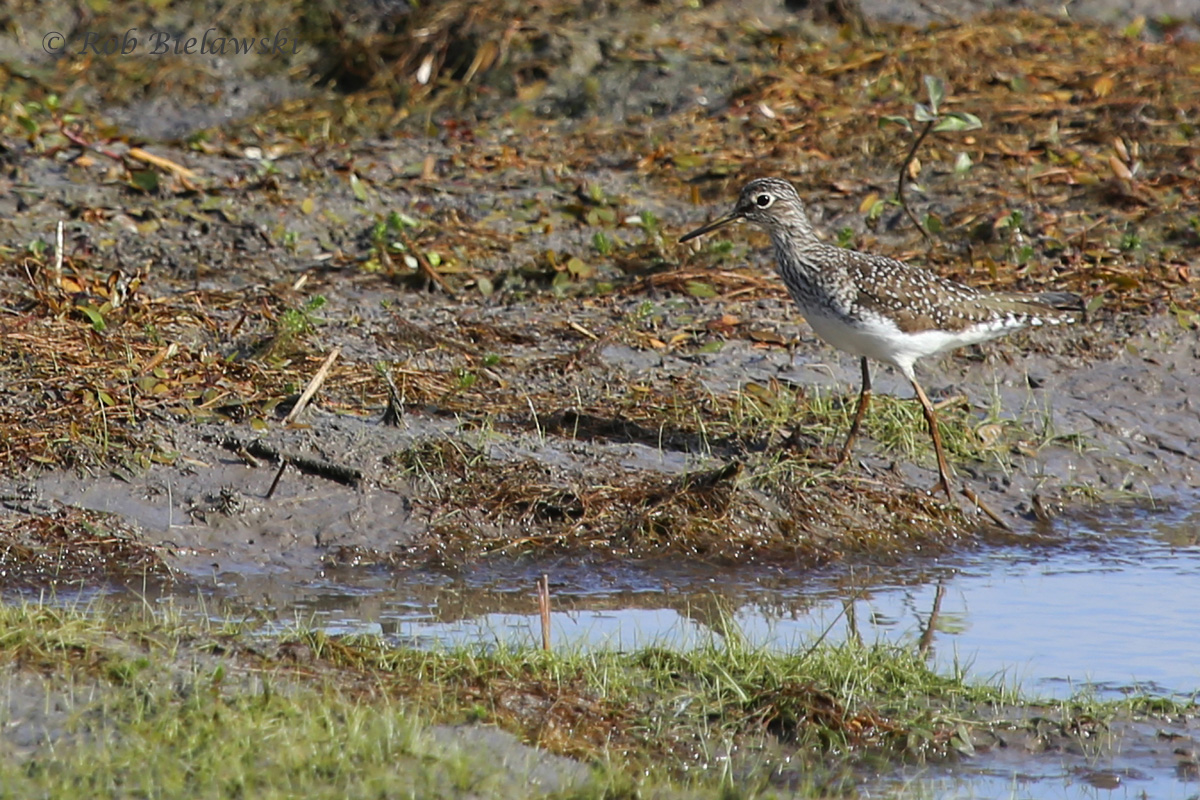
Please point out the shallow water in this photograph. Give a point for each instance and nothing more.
(1112, 611)
(1111, 608)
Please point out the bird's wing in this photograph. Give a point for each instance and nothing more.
(917, 299)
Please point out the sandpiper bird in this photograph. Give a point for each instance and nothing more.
(877, 307)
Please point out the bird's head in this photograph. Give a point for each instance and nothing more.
(769, 202)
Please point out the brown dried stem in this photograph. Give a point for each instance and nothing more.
(912, 153)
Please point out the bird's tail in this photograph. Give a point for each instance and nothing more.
(1050, 306)
(1062, 301)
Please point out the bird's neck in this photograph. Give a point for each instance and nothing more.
(799, 235)
(814, 272)
(792, 244)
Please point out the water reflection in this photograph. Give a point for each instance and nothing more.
(1113, 609)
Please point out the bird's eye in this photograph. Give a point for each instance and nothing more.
(763, 200)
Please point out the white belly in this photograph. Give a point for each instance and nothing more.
(882, 341)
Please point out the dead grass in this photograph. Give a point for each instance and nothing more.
(790, 510)
(71, 546)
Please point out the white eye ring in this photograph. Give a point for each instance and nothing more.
(764, 200)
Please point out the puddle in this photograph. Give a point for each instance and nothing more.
(1112, 613)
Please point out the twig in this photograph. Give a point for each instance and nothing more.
(912, 152)
(575, 326)
(543, 590)
(75, 138)
(136, 153)
(165, 164)
(855, 596)
(58, 257)
(393, 415)
(278, 475)
(312, 387)
(998, 520)
(347, 476)
(426, 267)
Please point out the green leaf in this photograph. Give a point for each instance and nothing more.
(700, 289)
(356, 186)
(398, 219)
(94, 316)
(144, 179)
(958, 121)
(578, 268)
(688, 161)
(895, 120)
(936, 89)
(485, 286)
(922, 113)
(1134, 29)
(963, 164)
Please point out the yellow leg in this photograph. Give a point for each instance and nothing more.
(864, 400)
(931, 418)
(944, 468)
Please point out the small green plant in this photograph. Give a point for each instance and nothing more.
(1130, 241)
(603, 243)
(388, 236)
(650, 223)
(466, 380)
(1020, 251)
(845, 237)
(935, 121)
(1013, 221)
(299, 321)
(394, 222)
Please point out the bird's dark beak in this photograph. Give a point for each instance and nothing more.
(732, 216)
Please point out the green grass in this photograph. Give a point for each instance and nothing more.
(896, 425)
(146, 705)
(140, 703)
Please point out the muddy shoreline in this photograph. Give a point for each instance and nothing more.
(475, 211)
(527, 298)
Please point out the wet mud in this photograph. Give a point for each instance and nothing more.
(478, 222)
(519, 301)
